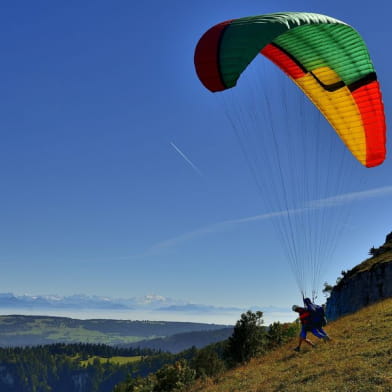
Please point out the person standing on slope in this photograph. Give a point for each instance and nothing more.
(317, 317)
(306, 326)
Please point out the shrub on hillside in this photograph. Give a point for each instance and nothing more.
(248, 339)
(170, 378)
(207, 363)
(174, 378)
(279, 334)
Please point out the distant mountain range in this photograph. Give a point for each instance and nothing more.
(150, 302)
(148, 307)
(9, 300)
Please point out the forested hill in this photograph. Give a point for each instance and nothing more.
(75, 367)
(34, 330)
(181, 341)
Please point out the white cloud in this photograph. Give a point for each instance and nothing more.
(154, 308)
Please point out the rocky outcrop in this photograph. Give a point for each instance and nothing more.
(365, 284)
(360, 290)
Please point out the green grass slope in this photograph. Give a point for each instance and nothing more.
(358, 359)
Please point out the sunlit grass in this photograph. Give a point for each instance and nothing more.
(115, 360)
(358, 359)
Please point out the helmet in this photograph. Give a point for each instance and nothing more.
(294, 307)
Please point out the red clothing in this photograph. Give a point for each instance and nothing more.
(304, 316)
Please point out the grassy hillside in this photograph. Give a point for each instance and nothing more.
(358, 359)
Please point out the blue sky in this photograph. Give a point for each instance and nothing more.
(97, 98)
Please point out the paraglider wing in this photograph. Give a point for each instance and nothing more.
(325, 57)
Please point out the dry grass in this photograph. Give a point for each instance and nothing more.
(372, 262)
(358, 359)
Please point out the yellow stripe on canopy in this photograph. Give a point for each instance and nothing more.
(338, 107)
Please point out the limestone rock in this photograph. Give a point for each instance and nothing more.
(365, 284)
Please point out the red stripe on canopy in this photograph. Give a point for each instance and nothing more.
(369, 101)
(283, 61)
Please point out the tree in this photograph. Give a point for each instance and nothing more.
(248, 339)
(327, 290)
(207, 363)
(174, 378)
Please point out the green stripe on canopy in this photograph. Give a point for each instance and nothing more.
(243, 38)
(336, 46)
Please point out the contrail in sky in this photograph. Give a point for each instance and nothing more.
(230, 224)
(194, 167)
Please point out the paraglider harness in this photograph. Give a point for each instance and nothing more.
(317, 314)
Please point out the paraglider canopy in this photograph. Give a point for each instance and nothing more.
(326, 58)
